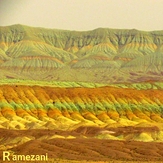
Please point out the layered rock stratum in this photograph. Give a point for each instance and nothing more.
(119, 55)
(107, 123)
(34, 107)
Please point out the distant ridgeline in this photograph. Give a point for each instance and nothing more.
(107, 55)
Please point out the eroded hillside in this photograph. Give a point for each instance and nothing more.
(108, 123)
(119, 55)
(36, 107)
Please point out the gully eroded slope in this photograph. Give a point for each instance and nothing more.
(81, 124)
(36, 107)
(121, 55)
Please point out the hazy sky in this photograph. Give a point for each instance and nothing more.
(83, 14)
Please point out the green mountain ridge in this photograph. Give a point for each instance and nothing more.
(107, 55)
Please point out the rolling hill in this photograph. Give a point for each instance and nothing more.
(107, 55)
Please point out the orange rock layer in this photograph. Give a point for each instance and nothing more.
(102, 105)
